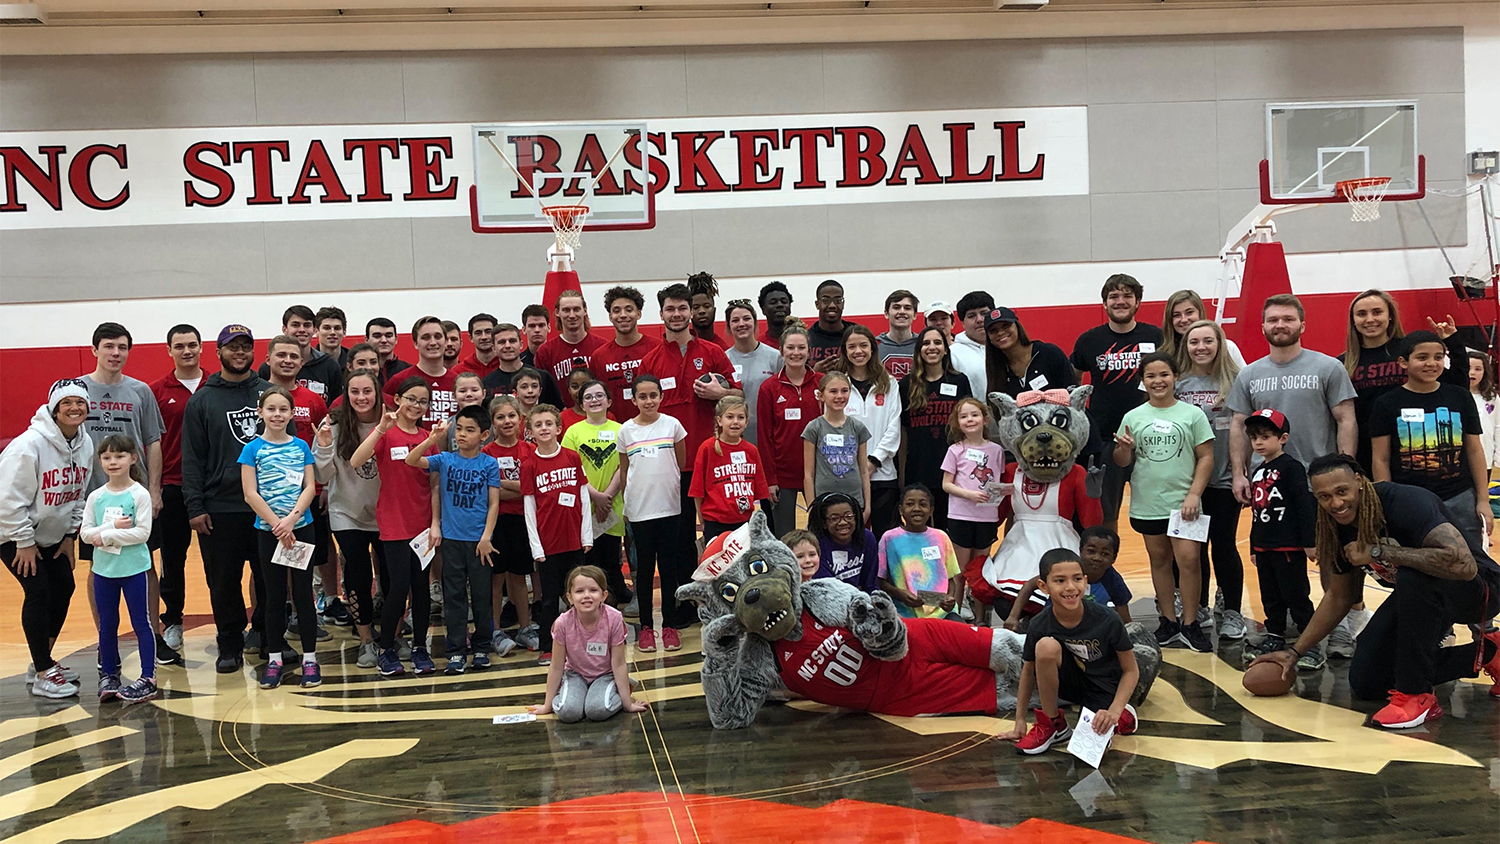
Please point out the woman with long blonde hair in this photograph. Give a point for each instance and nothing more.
(1183, 309)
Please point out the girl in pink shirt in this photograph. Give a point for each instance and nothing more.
(588, 677)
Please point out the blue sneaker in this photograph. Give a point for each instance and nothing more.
(389, 664)
(272, 676)
(481, 661)
(421, 662)
(456, 665)
(312, 675)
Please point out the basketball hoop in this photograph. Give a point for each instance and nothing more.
(1363, 196)
(567, 224)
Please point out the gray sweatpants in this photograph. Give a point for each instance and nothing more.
(578, 699)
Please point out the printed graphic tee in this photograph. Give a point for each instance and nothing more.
(836, 455)
(557, 481)
(464, 487)
(653, 489)
(442, 403)
(598, 446)
(128, 408)
(1165, 438)
(508, 460)
(1427, 437)
(730, 484)
(1113, 364)
(1306, 389)
(279, 475)
(973, 466)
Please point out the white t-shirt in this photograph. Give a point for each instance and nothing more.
(653, 486)
(191, 383)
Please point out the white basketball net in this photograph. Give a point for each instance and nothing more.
(1364, 196)
(567, 224)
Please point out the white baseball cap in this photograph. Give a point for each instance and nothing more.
(935, 307)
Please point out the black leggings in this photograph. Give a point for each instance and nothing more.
(552, 571)
(360, 549)
(276, 577)
(1398, 648)
(656, 545)
(408, 580)
(228, 547)
(883, 495)
(1223, 509)
(1284, 588)
(47, 595)
(606, 555)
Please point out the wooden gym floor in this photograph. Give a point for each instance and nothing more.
(408, 760)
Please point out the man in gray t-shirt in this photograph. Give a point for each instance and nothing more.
(1312, 389)
(835, 461)
(119, 404)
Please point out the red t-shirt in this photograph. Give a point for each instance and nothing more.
(404, 508)
(172, 398)
(559, 357)
(570, 417)
(308, 411)
(616, 366)
(730, 484)
(473, 364)
(678, 369)
(773, 342)
(442, 405)
(557, 482)
(510, 459)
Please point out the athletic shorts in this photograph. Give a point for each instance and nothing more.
(1150, 527)
(1078, 686)
(512, 546)
(972, 534)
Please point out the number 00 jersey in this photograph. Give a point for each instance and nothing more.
(946, 669)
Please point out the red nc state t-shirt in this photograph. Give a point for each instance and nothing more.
(510, 459)
(442, 405)
(616, 366)
(678, 369)
(404, 508)
(557, 482)
(559, 357)
(731, 483)
(308, 411)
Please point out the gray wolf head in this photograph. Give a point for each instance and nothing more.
(761, 586)
(1044, 429)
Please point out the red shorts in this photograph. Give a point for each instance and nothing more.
(946, 670)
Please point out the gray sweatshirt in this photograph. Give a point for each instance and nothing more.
(43, 476)
(352, 490)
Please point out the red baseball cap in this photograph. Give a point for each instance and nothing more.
(1273, 419)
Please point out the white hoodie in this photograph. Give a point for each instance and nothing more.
(42, 481)
(881, 415)
(968, 358)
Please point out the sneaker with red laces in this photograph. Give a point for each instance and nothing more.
(645, 642)
(1126, 725)
(670, 640)
(1406, 711)
(1492, 667)
(1044, 733)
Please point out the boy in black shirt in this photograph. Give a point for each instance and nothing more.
(1426, 433)
(1281, 531)
(1077, 650)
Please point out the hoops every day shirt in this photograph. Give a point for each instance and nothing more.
(442, 403)
(730, 484)
(280, 472)
(509, 459)
(404, 508)
(556, 481)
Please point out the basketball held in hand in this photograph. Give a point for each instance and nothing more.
(1265, 679)
(709, 377)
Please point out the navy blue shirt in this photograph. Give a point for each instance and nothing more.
(857, 563)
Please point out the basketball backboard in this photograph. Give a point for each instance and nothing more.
(1311, 146)
(519, 168)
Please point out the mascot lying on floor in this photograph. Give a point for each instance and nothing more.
(1044, 430)
(764, 629)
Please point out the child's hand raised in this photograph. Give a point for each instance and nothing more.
(387, 421)
(1124, 438)
(325, 433)
(439, 432)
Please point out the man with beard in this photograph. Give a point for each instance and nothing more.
(453, 343)
(482, 360)
(705, 290)
(776, 304)
(1110, 354)
(320, 372)
(219, 422)
(574, 346)
(616, 362)
(826, 336)
(509, 361)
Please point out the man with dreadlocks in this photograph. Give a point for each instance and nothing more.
(704, 289)
(1407, 539)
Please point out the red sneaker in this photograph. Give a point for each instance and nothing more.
(1044, 733)
(1126, 724)
(645, 641)
(1406, 711)
(670, 640)
(1492, 667)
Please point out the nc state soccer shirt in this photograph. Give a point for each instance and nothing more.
(557, 483)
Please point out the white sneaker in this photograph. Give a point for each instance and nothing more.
(368, 655)
(1341, 641)
(1357, 619)
(68, 674)
(1232, 626)
(173, 636)
(52, 684)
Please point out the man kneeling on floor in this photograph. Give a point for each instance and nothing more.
(1407, 539)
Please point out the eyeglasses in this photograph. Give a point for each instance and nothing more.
(831, 300)
(417, 402)
(846, 517)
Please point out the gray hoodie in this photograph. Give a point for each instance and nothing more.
(352, 490)
(43, 476)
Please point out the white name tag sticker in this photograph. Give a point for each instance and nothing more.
(973, 455)
(792, 414)
(110, 514)
(840, 558)
(1161, 427)
(400, 452)
(566, 499)
(318, 387)
(932, 552)
(1148, 348)
(739, 370)
(851, 410)
(607, 436)
(1413, 414)
(1038, 383)
(596, 649)
(669, 383)
(506, 462)
(1222, 423)
(649, 453)
(833, 440)
(629, 394)
(738, 458)
(294, 477)
(947, 389)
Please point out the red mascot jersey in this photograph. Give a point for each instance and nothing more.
(946, 669)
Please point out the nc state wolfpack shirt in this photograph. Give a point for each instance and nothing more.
(730, 484)
(1113, 362)
(558, 517)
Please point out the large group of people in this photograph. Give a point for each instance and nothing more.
(554, 461)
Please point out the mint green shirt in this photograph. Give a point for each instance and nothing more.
(1164, 459)
(124, 553)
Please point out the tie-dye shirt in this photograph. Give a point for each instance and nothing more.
(918, 562)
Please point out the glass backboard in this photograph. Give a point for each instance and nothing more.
(1312, 146)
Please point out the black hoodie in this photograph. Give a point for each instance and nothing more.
(220, 420)
(323, 374)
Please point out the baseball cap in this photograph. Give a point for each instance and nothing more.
(938, 307)
(997, 315)
(233, 332)
(1268, 418)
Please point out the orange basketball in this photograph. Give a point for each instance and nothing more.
(1265, 679)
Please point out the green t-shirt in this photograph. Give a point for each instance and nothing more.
(597, 447)
(1164, 441)
(104, 506)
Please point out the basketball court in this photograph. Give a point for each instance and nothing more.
(168, 163)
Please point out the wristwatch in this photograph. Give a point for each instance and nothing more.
(1375, 552)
